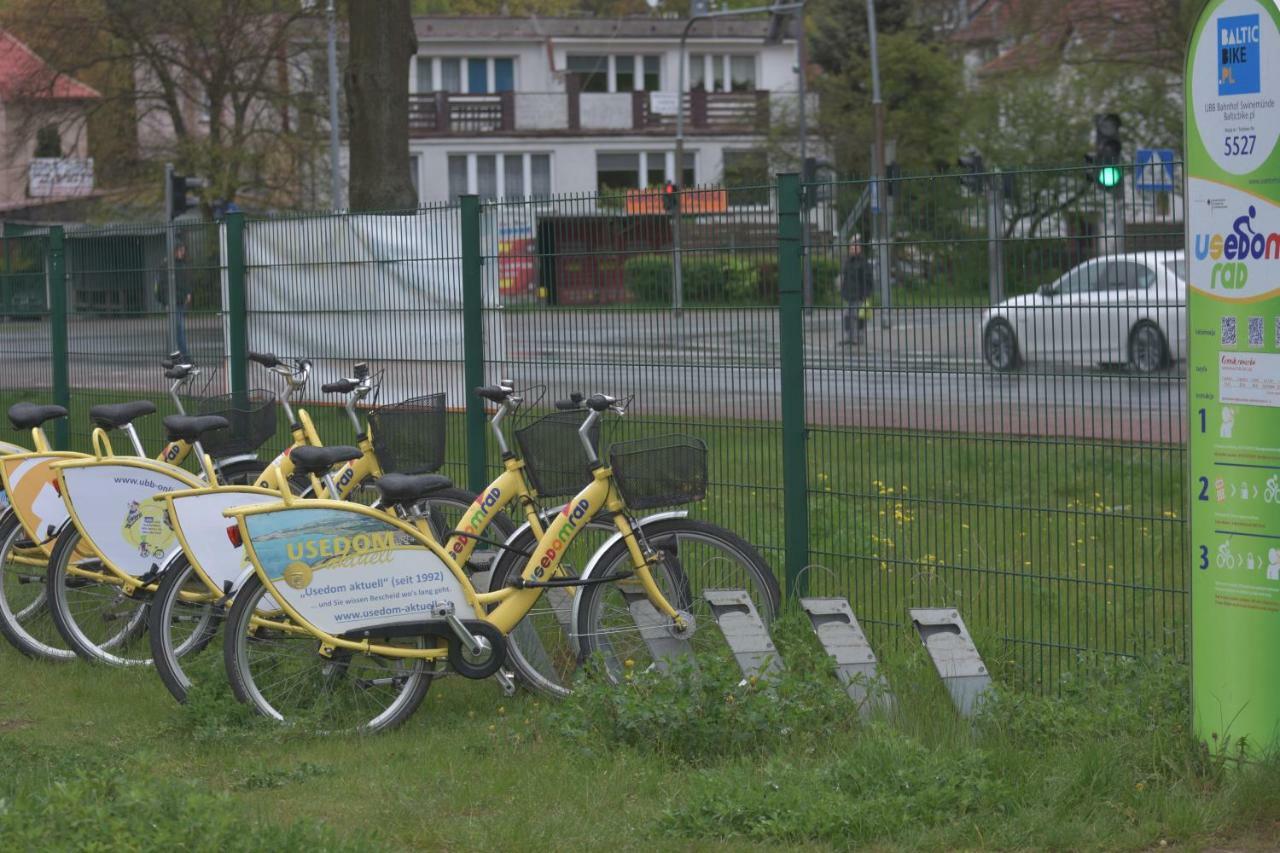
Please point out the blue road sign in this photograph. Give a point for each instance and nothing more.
(1154, 170)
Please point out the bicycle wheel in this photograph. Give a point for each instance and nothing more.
(243, 473)
(282, 674)
(184, 618)
(616, 621)
(98, 620)
(24, 615)
(445, 510)
(541, 648)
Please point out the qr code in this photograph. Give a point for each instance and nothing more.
(1257, 332)
(1278, 331)
(1228, 331)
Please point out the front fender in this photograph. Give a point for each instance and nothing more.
(594, 562)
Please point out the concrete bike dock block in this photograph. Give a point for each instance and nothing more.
(744, 631)
(954, 655)
(654, 628)
(842, 637)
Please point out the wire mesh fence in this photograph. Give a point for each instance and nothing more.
(962, 390)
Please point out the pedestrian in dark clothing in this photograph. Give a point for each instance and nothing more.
(855, 290)
(182, 282)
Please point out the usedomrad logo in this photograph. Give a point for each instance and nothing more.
(1239, 62)
(1231, 253)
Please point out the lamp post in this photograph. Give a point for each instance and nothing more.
(779, 12)
(877, 168)
(335, 167)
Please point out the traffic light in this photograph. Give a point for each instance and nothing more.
(671, 197)
(1106, 150)
(177, 192)
(972, 164)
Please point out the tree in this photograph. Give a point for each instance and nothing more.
(922, 94)
(382, 41)
(215, 85)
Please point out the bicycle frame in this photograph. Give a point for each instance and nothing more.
(415, 575)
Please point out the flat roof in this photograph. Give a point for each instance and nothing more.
(433, 28)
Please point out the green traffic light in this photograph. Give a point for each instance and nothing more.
(1109, 176)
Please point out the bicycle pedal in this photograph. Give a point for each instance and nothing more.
(506, 682)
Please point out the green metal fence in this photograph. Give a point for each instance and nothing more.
(900, 470)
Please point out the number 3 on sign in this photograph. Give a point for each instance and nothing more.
(1204, 557)
(1242, 145)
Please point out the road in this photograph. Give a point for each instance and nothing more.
(922, 372)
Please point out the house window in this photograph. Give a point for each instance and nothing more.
(493, 176)
(746, 176)
(617, 172)
(413, 175)
(48, 141)
(716, 72)
(477, 75)
(619, 73)
(593, 71)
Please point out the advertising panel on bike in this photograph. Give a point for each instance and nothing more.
(28, 486)
(198, 521)
(119, 513)
(5, 449)
(343, 570)
(1232, 88)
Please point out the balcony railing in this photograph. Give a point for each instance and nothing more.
(573, 111)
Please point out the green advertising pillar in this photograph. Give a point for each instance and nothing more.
(1232, 90)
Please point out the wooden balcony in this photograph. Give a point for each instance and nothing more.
(446, 113)
(573, 112)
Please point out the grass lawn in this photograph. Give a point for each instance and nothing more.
(92, 758)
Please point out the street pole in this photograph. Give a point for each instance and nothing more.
(171, 285)
(877, 168)
(335, 166)
(802, 59)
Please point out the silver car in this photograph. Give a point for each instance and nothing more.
(1115, 309)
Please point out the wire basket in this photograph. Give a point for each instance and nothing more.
(553, 453)
(252, 423)
(666, 470)
(408, 437)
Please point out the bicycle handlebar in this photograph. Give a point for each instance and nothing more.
(574, 402)
(266, 359)
(342, 386)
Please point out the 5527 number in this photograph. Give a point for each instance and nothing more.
(1239, 145)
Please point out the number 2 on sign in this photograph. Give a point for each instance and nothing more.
(1242, 145)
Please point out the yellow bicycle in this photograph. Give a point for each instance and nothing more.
(350, 612)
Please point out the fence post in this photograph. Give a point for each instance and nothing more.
(56, 277)
(795, 477)
(237, 311)
(473, 340)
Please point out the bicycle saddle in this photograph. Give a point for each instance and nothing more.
(115, 415)
(407, 488)
(28, 415)
(190, 428)
(317, 460)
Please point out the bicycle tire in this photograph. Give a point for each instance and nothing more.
(241, 649)
(79, 607)
(25, 620)
(169, 647)
(243, 473)
(696, 555)
(541, 649)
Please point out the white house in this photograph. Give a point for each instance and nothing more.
(521, 107)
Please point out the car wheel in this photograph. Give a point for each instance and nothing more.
(1000, 346)
(1148, 351)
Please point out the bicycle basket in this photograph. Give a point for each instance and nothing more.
(553, 454)
(666, 470)
(408, 437)
(252, 424)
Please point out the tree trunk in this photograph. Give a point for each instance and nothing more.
(382, 42)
